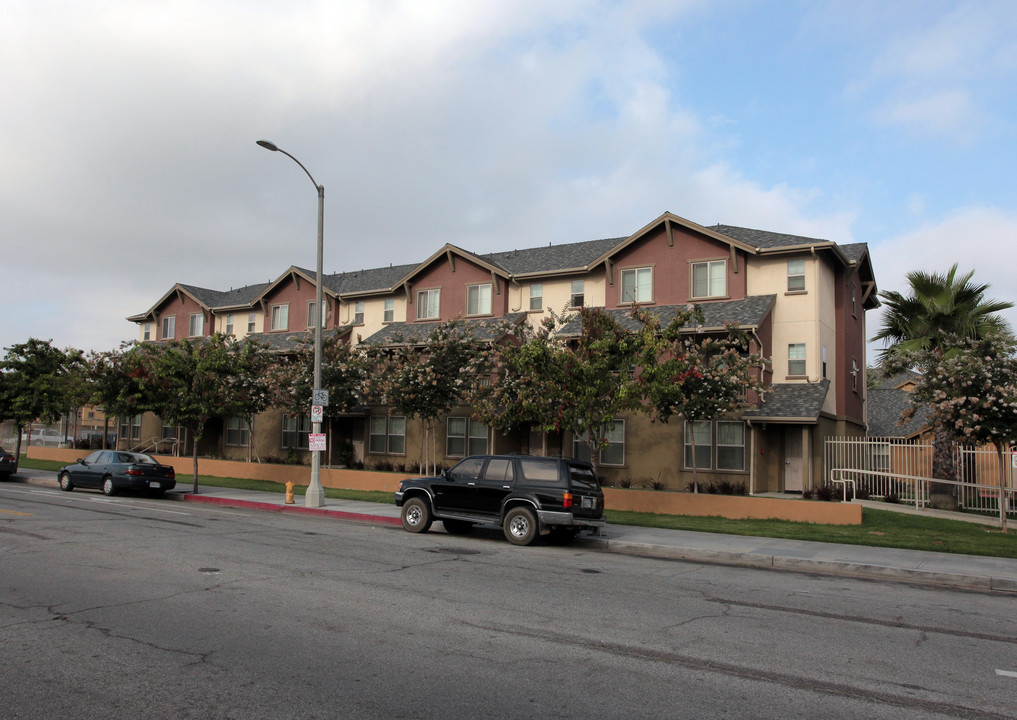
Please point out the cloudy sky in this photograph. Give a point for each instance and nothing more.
(128, 158)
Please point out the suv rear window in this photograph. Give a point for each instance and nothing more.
(538, 471)
(583, 476)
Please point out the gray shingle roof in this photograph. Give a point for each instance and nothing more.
(765, 238)
(403, 333)
(885, 407)
(791, 401)
(747, 312)
(551, 258)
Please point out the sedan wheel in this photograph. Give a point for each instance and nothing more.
(520, 526)
(108, 488)
(65, 482)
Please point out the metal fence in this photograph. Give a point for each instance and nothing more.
(900, 470)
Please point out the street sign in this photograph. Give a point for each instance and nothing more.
(316, 442)
(319, 397)
(317, 413)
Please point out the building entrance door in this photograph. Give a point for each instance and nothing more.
(793, 459)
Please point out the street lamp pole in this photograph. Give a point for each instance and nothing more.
(315, 495)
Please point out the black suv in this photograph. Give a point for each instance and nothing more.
(528, 496)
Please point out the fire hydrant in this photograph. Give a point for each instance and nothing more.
(289, 493)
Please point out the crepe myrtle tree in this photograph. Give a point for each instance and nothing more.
(344, 370)
(573, 372)
(36, 383)
(113, 380)
(973, 392)
(428, 377)
(190, 382)
(694, 375)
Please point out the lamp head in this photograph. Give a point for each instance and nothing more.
(268, 145)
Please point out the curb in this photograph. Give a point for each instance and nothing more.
(273, 507)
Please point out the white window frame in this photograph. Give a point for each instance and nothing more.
(196, 325)
(797, 357)
(229, 324)
(640, 285)
(536, 296)
(712, 278)
(251, 317)
(295, 432)
(429, 304)
(280, 317)
(796, 276)
(312, 306)
(478, 299)
(465, 436)
(147, 331)
(578, 296)
(728, 445)
(169, 327)
(389, 310)
(238, 433)
(613, 454)
(358, 312)
(694, 438)
(386, 435)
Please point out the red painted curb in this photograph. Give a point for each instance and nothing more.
(273, 507)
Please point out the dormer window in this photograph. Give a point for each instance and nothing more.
(709, 279)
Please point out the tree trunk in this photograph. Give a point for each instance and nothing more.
(943, 496)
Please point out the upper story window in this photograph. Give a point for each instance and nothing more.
(358, 312)
(250, 322)
(796, 359)
(280, 317)
(389, 315)
(578, 298)
(796, 276)
(229, 325)
(196, 326)
(637, 285)
(428, 303)
(536, 296)
(169, 327)
(478, 299)
(148, 332)
(312, 313)
(709, 279)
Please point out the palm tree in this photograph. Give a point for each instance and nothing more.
(939, 311)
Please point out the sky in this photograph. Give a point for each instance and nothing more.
(128, 160)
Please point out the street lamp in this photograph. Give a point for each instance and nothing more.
(315, 496)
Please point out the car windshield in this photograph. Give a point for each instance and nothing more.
(583, 476)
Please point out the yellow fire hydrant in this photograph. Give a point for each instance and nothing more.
(289, 493)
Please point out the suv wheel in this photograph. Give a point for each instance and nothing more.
(416, 516)
(520, 526)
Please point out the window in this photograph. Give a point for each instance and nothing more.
(478, 299)
(169, 327)
(358, 312)
(464, 437)
(389, 315)
(881, 457)
(171, 433)
(611, 454)
(578, 293)
(312, 313)
(229, 324)
(824, 362)
(428, 302)
(130, 428)
(698, 445)
(148, 332)
(796, 359)
(250, 322)
(196, 326)
(280, 317)
(237, 432)
(730, 446)
(796, 276)
(637, 285)
(709, 279)
(387, 435)
(295, 431)
(536, 296)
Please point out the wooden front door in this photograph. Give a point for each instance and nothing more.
(793, 459)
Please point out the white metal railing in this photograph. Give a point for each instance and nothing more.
(157, 443)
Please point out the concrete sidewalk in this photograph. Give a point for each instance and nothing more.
(912, 566)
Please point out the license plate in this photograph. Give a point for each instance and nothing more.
(588, 502)
(155, 485)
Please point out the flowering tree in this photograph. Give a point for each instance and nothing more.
(973, 392)
(427, 378)
(691, 374)
(555, 381)
(113, 379)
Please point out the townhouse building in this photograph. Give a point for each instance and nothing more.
(801, 300)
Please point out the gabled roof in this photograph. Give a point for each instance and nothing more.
(368, 281)
(553, 258)
(746, 313)
(885, 408)
(201, 296)
(449, 251)
(402, 333)
(791, 402)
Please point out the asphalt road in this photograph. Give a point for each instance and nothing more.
(129, 607)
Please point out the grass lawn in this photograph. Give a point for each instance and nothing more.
(879, 528)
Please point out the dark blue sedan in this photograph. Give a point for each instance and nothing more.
(115, 470)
